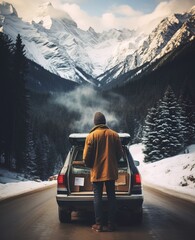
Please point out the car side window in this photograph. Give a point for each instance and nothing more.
(78, 155)
(123, 161)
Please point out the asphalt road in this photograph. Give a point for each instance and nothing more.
(35, 217)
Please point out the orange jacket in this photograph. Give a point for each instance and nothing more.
(102, 151)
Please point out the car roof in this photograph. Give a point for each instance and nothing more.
(79, 138)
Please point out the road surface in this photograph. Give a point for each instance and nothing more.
(35, 217)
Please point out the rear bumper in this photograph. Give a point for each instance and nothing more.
(124, 202)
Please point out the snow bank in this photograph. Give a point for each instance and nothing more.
(13, 184)
(174, 174)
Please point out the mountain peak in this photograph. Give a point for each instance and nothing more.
(47, 13)
(45, 8)
(91, 30)
(7, 9)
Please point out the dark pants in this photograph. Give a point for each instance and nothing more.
(98, 190)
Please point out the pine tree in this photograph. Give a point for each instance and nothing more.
(45, 157)
(52, 159)
(38, 152)
(184, 121)
(150, 137)
(42, 151)
(189, 111)
(30, 156)
(164, 129)
(168, 125)
(20, 99)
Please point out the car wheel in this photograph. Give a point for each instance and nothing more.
(64, 216)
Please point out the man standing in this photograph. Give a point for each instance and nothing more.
(101, 153)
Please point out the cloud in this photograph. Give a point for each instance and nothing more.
(78, 15)
(120, 16)
(117, 17)
(25, 8)
(124, 16)
(163, 9)
(174, 6)
(84, 102)
(126, 11)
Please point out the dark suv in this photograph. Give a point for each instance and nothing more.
(74, 189)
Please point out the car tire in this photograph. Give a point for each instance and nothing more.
(64, 216)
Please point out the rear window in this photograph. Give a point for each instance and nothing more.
(78, 157)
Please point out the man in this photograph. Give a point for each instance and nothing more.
(101, 153)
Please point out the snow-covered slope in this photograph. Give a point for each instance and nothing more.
(174, 175)
(171, 32)
(14, 184)
(53, 40)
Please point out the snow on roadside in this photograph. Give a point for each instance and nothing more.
(174, 173)
(13, 184)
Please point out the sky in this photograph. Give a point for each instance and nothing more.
(106, 14)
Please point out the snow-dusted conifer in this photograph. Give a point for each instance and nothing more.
(31, 164)
(42, 152)
(150, 137)
(20, 104)
(168, 125)
(164, 130)
(189, 112)
(184, 121)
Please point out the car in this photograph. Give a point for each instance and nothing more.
(74, 189)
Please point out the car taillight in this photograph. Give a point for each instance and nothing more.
(61, 181)
(137, 178)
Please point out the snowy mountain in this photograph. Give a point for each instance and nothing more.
(53, 40)
(172, 32)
